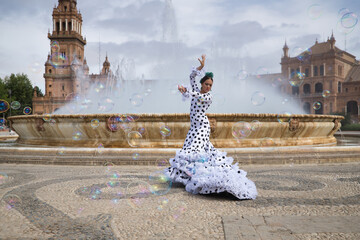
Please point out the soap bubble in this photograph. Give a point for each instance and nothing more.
(257, 98)
(317, 105)
(241, 129)
(4, 106)
(315, 11)
(12, 201)
(95, 123)
(135, 156)
(261, 71)
(15, 105)
(326, 93)
(296, 79)
(134, 138)
(27, 110)
(242, 75)
(160, 184)
(284, 117)
(3, 177)
(136, 100)
(77, 136)
(349, 20)
(106, 104)
(165, 131)
(137, 193)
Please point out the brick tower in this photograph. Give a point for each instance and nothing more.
(66, 57)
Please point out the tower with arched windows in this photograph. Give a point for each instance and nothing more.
(66, 64)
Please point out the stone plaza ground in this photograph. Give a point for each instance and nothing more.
(319, 201)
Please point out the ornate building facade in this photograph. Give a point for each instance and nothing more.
(66, 60)
(325, 79)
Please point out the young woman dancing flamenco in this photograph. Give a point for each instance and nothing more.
(198, 165)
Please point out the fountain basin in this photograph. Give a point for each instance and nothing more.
(169, 130)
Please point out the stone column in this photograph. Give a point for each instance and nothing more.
(300, 69)
(54, 23)
(312, 70)
(60, 24)
(289, 73)
(66, 25)
(324, 69)
(72, 24)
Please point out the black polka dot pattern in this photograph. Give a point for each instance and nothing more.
(199, 165)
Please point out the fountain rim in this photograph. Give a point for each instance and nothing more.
(182, 115)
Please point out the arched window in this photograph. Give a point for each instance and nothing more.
(318, 88)
(307, 88)
(352, 108)
(339, 87)
(306, 107)
(49, 70)
(322, 70)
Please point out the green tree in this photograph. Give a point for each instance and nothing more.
(17, 88)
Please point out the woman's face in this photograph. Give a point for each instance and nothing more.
(206, 86)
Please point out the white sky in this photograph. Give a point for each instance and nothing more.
(250, 34)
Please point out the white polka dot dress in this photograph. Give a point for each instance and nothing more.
(198, 165)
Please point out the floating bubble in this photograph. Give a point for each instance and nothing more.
(134, 138)
(255, 125)
(163, 203)
(296, 51)
(95, 123)
(284, 101)
(99, 87)
(340, 28)
(257, 98)
(77, 136)
(113, 184)
(47, 117)
(100, 145)
(326, 93)
(165, 131)
(114, 123)
(106, 104)
(141, 130)
(349, 20)
(2, 121)
(136, 100)
(296, 79)
(12, 201)
(162, 163)
(147, 92)
(242, 75)
(58, 60)
(343, 11)
(267, 142)
(61, 151)
(317, 105)
(75, 103)
(95, 192)
(55, 47)
(3, 177)
(27, 110)
(178, 210)
(4, 106)
(315, 11)
(52, 122)
(284, 117)
(276, 82)
(137, 193)
(241, 129)
(160, 184)
(15, 105)
(305, 55)
(135, 156)
(35, 67)
(261, 71)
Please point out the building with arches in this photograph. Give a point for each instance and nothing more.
(324, 79)
(66, 70)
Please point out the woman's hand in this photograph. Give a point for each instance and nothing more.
(202, 62)
(182, 89)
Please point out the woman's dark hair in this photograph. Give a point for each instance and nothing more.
(208, 75)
